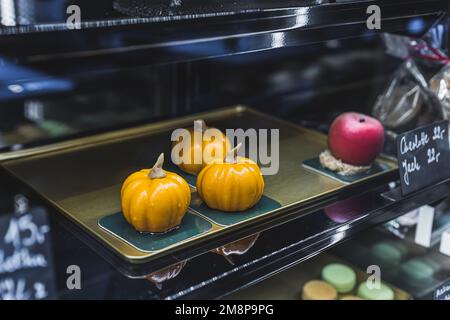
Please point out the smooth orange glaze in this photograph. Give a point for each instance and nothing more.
(212, 144)
(154, 205)
(231, 187)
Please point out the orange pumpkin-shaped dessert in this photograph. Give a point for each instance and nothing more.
(155, 200)
(205, 146)
(233, 184)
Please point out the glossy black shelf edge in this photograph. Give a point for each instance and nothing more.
(187, 40)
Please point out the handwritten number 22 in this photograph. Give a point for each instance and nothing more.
(433, 156)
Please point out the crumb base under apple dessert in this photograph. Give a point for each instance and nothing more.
(327, 160)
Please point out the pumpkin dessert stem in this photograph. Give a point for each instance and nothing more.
(200, 125)
(157, 171)
(232, 155)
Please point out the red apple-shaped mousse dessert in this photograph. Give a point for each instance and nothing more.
(356, 138)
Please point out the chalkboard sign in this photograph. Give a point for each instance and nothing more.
(442, 292)
(423, 156)
(26, 267)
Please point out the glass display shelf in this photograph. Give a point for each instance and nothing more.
(106, 38)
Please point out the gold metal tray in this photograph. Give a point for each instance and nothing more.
(82, 177)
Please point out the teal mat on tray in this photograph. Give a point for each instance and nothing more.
(190, 178)
(314, 165)
(191, 226)
(222, 218)
(265, 205)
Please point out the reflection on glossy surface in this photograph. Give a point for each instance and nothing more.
(165, 274)
(7, 13)
(198, 8)
(28, 12)
(152, 39)
(348, 209)
(51, 14)
(238, 247)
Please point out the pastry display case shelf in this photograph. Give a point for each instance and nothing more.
(307, 229)
(141, 41)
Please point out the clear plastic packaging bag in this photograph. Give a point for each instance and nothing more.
(418, 92)
(440, 86)
(407, 102)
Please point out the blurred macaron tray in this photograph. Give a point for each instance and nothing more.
(324, 277)
(412, 267)
(335, 279)
(144, 204)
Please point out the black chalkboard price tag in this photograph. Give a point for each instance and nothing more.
(26, 267)
(423, 156)
(442, 292)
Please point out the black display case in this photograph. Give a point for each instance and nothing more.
(131, 63)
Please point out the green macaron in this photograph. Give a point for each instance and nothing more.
(383, 292)
(340, 276)
(417, 272)
(389, 252)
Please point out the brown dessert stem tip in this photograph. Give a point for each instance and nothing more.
(232, 155)
(157, 171)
